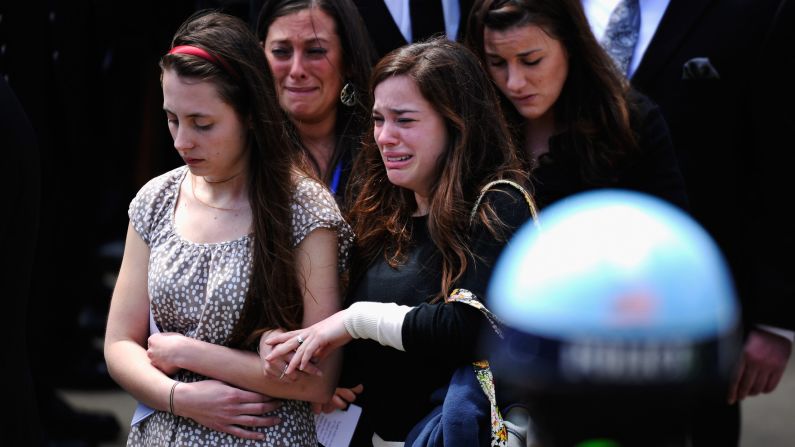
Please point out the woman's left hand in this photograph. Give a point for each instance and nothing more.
(275, 367)
(310, 344)
(164, 349)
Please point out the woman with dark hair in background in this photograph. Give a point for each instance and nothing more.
(436, 142)
(321, 56)
(579, 124)
(236, 242)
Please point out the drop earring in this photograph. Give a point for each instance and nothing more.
(348, 94)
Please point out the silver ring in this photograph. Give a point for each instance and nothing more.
(300, 340)
(284, 371)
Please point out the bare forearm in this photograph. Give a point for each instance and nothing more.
(130, 368)
(243, 369)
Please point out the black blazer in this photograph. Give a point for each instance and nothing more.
(709, 67)
(652, 170)
(383, 30)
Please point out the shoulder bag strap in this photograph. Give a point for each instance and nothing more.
(531, 204)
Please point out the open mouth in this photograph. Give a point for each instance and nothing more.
(397, 159)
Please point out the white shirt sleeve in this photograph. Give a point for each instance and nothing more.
(382, 322)
(789, 335)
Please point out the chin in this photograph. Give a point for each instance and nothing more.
(195, 170)
(397, 180)
(530, 115)
(303, 115)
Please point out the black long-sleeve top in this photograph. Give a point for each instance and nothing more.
(437, 337)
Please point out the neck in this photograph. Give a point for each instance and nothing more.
(318, 139)
(423, 205)
(227, 193)
(537, 135)
(219, 180)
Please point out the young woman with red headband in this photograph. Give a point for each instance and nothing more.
(236, 242)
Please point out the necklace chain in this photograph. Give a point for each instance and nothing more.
(193, 192)
(215, 182)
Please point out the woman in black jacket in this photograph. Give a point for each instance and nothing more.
(580, 124)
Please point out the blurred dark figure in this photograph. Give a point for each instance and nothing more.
(18, 230)
(38, 66)
(730, 126)
(86, 76)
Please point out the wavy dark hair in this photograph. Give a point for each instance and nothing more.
(594, 103)
(478, 151)
(243, 80)
(358, 57)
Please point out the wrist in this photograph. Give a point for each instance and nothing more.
(172, 392)
(781, 332)
(182, 352)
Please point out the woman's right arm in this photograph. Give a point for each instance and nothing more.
(427, 329)
(208, 402)
(128, 328)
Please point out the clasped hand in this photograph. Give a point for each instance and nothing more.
(211, 403)
(164, 350)
(284, 353)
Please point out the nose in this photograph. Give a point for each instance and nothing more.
(516, 80)
(385, 135)
(182, 139)
(297, 67)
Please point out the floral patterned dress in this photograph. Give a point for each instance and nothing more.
(199, 289)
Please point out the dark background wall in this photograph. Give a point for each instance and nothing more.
(86, 76)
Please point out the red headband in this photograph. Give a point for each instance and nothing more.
(204, 54)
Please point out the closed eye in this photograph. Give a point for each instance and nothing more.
(316, 51)
(281, 53)
(171, 119)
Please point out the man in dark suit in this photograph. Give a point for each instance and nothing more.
(390, 30)
(715, 69)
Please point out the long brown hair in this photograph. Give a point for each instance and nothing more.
(479, 150)
(593, 104)
(358, 57)
(243, 80)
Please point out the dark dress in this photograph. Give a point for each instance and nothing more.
(437, 337)
(653, 170)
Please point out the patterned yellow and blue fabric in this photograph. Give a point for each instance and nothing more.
(499, 434)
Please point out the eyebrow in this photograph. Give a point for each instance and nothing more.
(522, 54)
(192, 115)
(398, 111)
(319, 39)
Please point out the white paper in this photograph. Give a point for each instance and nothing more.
(336, 429)
(142, 411)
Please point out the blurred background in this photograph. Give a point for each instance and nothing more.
(86, 76)
(86, 104)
